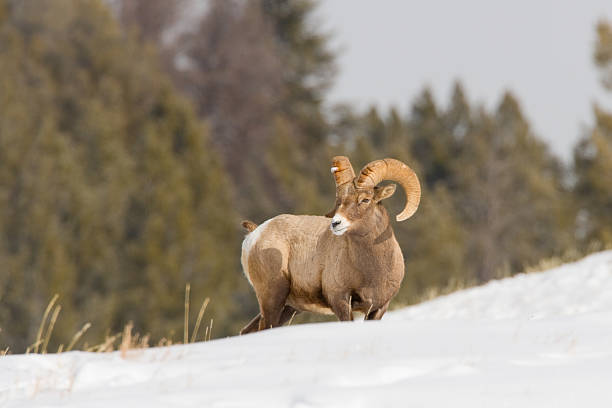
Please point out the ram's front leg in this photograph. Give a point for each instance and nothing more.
(341, 306)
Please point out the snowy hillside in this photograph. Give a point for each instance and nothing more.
(538, 340)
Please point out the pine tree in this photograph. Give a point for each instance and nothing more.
(433, 243)
(509, 191)
(593, 158)
(430, 144)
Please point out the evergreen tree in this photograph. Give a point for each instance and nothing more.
(593, 158)
(434, 245)
(509, 191)
(430, 144)
(458, 117)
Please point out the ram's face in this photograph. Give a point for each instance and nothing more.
(356, 209)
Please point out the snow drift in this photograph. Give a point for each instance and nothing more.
(543, 339)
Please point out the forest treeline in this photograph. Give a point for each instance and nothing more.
(136, 134)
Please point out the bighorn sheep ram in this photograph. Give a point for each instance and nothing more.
(305, 263)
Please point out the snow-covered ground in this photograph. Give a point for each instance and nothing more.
(538, 340)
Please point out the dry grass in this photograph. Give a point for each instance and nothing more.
(123, 341)
(199, 320)
(454, 285)
(43, 322)
(571, 255)
(131, 341)
(186, 324)
(78, 335)
(54, 316)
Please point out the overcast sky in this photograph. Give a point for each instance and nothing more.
(540, 50)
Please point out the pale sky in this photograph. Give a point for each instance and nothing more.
(540, 50)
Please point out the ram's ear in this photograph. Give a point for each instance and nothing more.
(380, 193)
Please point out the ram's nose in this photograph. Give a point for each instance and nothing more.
(339, 224)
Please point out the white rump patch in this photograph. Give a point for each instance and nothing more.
(249, 242)
(339, 224)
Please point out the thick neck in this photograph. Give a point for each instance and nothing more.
(378, 230)
(380, 238)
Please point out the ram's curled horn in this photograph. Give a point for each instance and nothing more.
(394, 170)
(342, 170)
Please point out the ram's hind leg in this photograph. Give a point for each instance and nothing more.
(272, 303)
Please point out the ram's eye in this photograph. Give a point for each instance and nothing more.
(365, 201)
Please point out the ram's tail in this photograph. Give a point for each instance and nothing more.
(249, 225)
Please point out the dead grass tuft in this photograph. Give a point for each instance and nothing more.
(571, 255)
(39, 340)
(124, 341)
(78, 335)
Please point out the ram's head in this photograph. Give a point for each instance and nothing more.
(358, 197)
